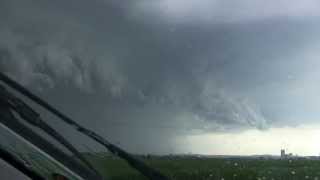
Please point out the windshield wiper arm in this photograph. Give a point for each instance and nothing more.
(147, 171)
(33, 118)
(23, 132)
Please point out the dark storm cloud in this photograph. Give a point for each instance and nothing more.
(127, 71)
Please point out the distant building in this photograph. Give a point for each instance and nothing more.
(283, 153)
(286, 156)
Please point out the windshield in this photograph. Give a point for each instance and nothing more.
(194, 89)
(30, 156)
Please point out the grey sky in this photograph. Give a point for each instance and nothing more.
(209, 11)
(168, 68)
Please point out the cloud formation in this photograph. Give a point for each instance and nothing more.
(228, 11)
(205, 66)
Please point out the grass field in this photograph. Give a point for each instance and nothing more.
(191, 168)
(188, 168)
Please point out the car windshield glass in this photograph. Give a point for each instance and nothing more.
(30, 156)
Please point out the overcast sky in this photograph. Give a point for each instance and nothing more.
(151, 74)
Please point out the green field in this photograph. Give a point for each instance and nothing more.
(189, 168)
(192, 168)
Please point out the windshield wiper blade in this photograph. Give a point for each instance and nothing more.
(33, 118)
(147, 171)
(43, 146)
(19, 165)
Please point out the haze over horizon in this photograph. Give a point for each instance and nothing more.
(173, 76)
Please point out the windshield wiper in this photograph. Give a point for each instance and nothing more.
(33, 118)
(147, 171)
(17, 128)
(19, 165)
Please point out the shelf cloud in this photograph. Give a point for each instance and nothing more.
(167, 68)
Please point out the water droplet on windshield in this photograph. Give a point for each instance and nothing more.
(235, 164)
